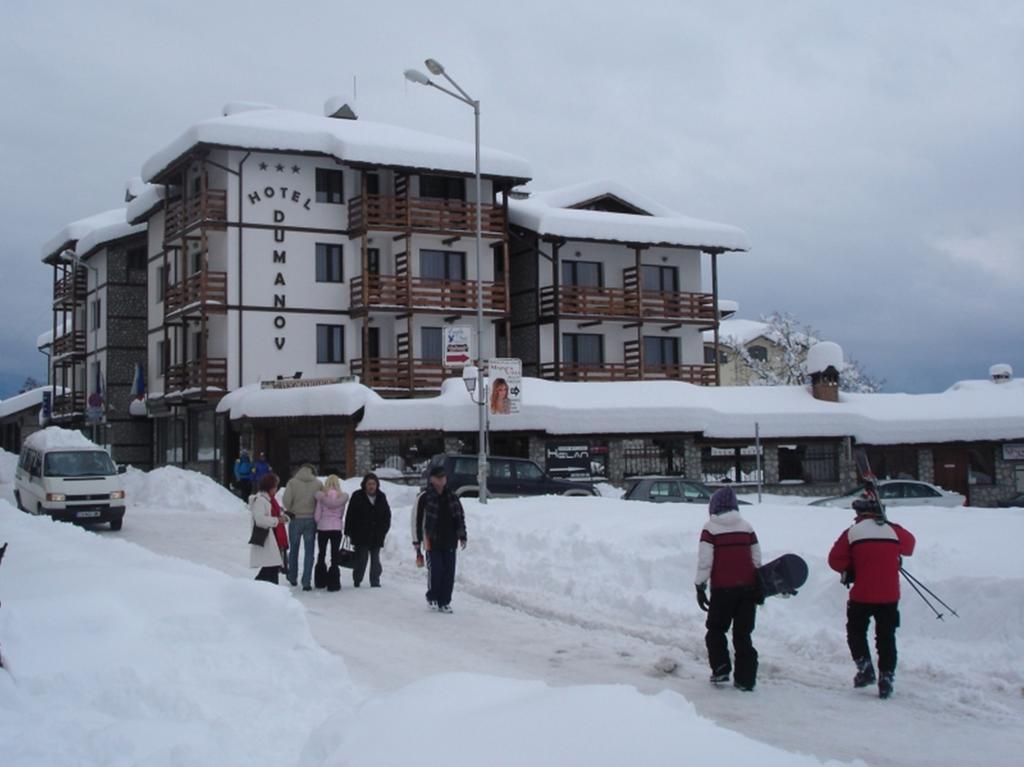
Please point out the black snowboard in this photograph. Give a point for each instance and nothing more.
(782, 576)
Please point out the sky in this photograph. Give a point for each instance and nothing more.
(872, 151)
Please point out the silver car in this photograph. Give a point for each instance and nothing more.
(899, 492)
(668, 490)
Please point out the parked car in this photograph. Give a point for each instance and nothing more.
(506, 477)
(71, 484)
(1015, 501)
(899, 492)
(669, 490)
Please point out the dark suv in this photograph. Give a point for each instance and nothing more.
(507, 477)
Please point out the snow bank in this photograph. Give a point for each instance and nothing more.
(824, 354)
(498, 722)
(55, 437)
(252, 401)
(551, 213)
(23, 401)
(602, 562)
(8, 466)
(172, 489)
(120, 656)
(349, 140)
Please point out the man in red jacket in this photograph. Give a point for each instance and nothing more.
(869, 555)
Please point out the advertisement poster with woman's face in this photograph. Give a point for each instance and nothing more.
(506, 383)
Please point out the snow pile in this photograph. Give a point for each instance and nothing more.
(504, 722)
(357, 141)
(8, 466)
(54, 437)
(552, 213)
(142, 198)
(91, 232)
(823, 355)
(172, 489)
(253, 401)
(602, 562)
(19, 402)
(119, 656)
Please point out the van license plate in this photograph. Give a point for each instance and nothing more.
(82, 514)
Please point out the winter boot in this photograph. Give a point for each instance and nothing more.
(320, 575)
(720, 675)
(865, 673)
(885, 684)
(334, 579)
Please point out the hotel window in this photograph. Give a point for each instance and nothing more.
(430, 344)
(442, 265)
(660, 352)
(330, 344)
(443, 187)
(330, 186)
(583, 349)
(162, 279)
(97, 314)
(372, 183)
(136, 258)
(161, 358)
(663, 279)
(328, 262)
(373, 260)
(584, 274)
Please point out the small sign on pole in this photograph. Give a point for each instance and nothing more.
(458, 346)
(506, 388)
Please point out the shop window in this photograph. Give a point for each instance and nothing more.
(654, 456)
(406, 455)
(893, 462)
(204, 437)
(727, 464)
(982, 466)
(812, 462)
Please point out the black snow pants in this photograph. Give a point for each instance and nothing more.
(887, 619)
(736, 607)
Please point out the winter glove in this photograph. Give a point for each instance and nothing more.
(702, 597)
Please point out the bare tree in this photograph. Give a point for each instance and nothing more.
(788, 368)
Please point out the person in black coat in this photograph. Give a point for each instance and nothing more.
(367, 522)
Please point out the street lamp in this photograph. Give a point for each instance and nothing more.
(415, 76)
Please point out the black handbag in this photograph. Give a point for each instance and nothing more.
(259, 535)
(346, 554)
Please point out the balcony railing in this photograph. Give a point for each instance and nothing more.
(197, 377)
(399, 376)
(71, 344)
(419, 294)
(182, 215)
(203, 290)
(703, 375)
(620, 303)
(422, 214)
(70, 289)
(67, 405)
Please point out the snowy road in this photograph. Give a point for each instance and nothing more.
(388, 639)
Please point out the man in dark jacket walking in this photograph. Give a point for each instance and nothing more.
(728, 557)
(367, 522)
(869, 555)
(442, 524)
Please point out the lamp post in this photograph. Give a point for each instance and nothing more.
(415, 76)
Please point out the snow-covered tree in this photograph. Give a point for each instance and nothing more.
(793, 339)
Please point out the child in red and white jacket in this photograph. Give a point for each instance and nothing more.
(728, 557)
(869, 555)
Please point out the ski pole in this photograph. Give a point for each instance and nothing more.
(920, 594)
(932, 593)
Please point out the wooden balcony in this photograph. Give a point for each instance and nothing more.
(68, 405)
(70, 289)
(703, 375)
(203, 378)
(388, 292)
(71, 344)
(422, 214)
(181, 215)
(399, 376)
(599, 303)
(204, 291)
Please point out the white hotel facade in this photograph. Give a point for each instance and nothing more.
(282, 244)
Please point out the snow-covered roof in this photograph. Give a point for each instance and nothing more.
(142, 199)
(551, 213)
(23, 401)
(737, 332)
(54, 437)
(349, 140)
(991, 412)
(87, 234)
(252, 401)
(823, 355)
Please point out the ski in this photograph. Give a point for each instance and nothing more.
(860, 455)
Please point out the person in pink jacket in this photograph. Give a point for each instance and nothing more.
(329, 515)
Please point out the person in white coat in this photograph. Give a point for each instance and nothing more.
(266, 516)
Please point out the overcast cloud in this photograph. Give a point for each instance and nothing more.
(873, 151)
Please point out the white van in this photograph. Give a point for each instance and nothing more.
(63, 474)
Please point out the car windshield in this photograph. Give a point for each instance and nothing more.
(79, 463)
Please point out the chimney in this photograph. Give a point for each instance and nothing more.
(824, 361)
(1000, 373)
(340, 108)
